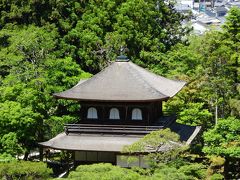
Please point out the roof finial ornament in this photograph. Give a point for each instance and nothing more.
(122, 50)
(122, 57)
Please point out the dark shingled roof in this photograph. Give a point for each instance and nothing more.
(112, 142)
(90, 142)
(123, 81)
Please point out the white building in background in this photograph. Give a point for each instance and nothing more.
(199, 28)
(206, 14)
(186, 2)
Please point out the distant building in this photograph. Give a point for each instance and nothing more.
(220, 11)
(189, 3)
(205, 19)
(202, 5)
(199, 28)
(119, 105)
(183, 8)
(233, 3)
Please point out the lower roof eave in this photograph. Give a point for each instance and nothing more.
(72, 149)
(89, 142)
(111, 142)
(111, 100)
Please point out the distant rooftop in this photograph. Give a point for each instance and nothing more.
(183, 8)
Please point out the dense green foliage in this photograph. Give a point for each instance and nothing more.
(224, 138)
(31, 74)
(24, 170)
(92, 32)
(48, 46)
(103, 171)
(154, 141)
(164, 146)
(108, 171)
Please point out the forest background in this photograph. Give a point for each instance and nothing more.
(48, 46)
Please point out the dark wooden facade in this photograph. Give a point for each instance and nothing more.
(151, 112)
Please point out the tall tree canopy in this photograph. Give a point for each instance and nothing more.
(92, 32)
(31, 73)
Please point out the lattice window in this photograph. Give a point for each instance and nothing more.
(92, 113)
(114, 113)
(136, 114)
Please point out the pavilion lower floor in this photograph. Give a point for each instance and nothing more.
(122, 160)
(106, 144)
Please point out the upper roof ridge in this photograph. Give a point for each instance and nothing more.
(153, 80)
(141, 78)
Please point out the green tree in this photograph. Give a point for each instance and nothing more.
(17, 125)
(224, 140)
(232, 26)
(142, 27)
(33, 74)
(63, 13)
(10, 144)
(232, 32)
(92, 32)
(194, 114)
(163, 146)
(211, 78)
(218, 85)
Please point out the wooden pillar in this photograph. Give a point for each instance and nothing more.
(80, 113)
(74, 158)
(148, 114)
(126, 114)
(160, 107)
(47, 154)
(40, 153)
(103, 114)
(68, 166)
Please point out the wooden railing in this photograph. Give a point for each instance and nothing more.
(110, 129)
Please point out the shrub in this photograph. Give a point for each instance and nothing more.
(103, 171)
(24, 170)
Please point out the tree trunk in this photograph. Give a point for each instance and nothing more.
(226, 168)
(216, 113)
(40, 139)
(40, 153)
(26, 156)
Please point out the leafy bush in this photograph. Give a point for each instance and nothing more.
(108, 172)
(217, 177)
(103, 171)
(195, 170)
(6, 158)
(169, 173)
(24, 170)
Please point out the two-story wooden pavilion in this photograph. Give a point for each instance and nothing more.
(119, 105)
